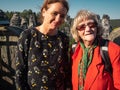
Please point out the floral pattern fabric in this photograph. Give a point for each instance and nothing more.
(42, 61)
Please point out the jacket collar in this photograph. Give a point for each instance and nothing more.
(93, 69)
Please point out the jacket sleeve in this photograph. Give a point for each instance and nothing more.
(114, 52)
(67, 66)
(21, 62)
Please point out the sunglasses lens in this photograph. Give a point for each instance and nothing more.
(90, 25)
(80, 28)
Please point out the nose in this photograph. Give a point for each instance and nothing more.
(87, 28)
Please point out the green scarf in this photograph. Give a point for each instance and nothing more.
(84, 63)
(87, 57)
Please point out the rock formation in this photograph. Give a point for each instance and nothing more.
(24, 23)
(15, 20)
(106, 26)
(115, 36)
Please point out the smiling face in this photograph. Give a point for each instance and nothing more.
(87, 30)
(54, 16)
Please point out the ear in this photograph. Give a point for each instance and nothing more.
(43, 12)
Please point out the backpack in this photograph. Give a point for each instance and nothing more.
(105, 56)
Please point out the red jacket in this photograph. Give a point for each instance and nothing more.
(95, 78)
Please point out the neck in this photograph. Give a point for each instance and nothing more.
(45, 30)
(88, 44)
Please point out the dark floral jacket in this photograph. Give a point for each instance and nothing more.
(42, 61)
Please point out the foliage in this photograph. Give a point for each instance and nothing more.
(25, 14)
(63, 25)
(72, 41)
(115, 23)
(9, 14)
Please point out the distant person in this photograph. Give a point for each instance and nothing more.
(89, 72)
(42, 56)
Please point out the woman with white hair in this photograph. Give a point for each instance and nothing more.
(88, 69)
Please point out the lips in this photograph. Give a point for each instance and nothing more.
(89, 34)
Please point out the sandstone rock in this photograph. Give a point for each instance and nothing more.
(107, 28)
(15, 20)
(24, 23)
(32, 21)
(115, 36)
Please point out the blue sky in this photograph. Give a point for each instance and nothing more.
(110, 7)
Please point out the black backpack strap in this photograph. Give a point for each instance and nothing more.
(105, 56)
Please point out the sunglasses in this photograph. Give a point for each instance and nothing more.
(82, 27)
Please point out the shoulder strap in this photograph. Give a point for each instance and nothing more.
(105, 56)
